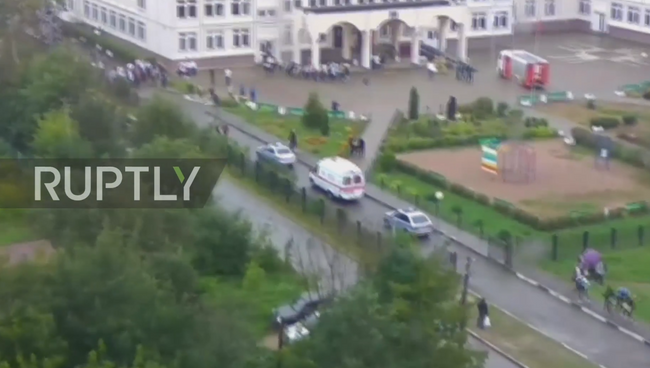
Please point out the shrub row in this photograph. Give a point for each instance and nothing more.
(510, 210)
(611, 122)
(637, 157)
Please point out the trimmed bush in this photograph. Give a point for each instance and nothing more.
(414, 104)
(502, 109)
(630, 120)
(387, 161)
(605, 122)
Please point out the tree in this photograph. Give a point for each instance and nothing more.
(57, 136)
(315, 116)
(101, 124)
(414, 104)
(160, 118)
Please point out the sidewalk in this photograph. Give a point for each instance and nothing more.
(545, 312)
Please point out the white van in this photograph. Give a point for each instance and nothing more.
(339, 178)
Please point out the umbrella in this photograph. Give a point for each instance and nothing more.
(590, 258)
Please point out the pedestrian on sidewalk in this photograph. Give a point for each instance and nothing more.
(483, 320)
(293, 140)
(431, 69)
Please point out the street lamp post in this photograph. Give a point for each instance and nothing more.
(439, 197)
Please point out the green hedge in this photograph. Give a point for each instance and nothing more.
(518, 214)
(605, 122)
(630, 155)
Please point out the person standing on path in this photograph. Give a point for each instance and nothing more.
(228, 75)
(483, 313)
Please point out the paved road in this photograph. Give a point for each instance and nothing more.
(565, 324)
(309, 254)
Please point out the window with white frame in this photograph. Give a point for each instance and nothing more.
(617, 11)
(312, 3)
(549, 8)
(87, 9)
(266, 13)
(95, 12)
(288, 35)
(186, 8)
(187, 41)
(297, 4)
(214, 8)
(646, 17)
(214, 40)
(584, 7)
(500, 20)
(241, 38)
(132, 27)
(240, 7)
(633, 15)
(322, 2)
(122, 23)
(142, 4)
(103, 15)
(69, 4)
(142, 31)
(530, 8)
(287, 5)
(479, 21)
(112, 19)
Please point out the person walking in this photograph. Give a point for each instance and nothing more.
(483, 320)
(293, 140)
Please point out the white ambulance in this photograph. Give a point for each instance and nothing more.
(339, 178)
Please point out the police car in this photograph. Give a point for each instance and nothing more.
(277, 153)
(409, 220)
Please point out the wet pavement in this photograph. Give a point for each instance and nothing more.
(308, 253)
(558, 320)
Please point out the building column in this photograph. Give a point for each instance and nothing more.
(462, 43)
(415, 46)
(443, 28)
(295, 46)
(396, 32)
(346, 47)
(315, 53)
(366, 48)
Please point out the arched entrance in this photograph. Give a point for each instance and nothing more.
(393, 39)
(345, 42)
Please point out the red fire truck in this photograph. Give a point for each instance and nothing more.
(529, 70)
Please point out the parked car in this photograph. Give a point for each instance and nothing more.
(297, 311)
(277, 153)
(409, 220)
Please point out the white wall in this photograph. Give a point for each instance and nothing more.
(643, 7)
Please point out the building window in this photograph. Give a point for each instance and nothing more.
(288, 35)
(478, 21)
(266, 13)
(214, 8)
(142, 4)
(86, 9)
(549, 8)
(287, 5)
(69, 5)
(500, 19)
(122, 23)
(132, 27)
(95, 12)
(142, 31)
(240, 7)
(529, 8)
(312, 3)
(647, 17)
(112, 19)
(322, 2)
(634, 15)
(186, 8)
(187, 41)
(338, 2)
(297, 4)
(241, 38)
(617, 11)
(585, 7)
(214, 40)
(104, 15)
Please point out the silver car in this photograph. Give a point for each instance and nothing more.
(276, 153)
(409, 220)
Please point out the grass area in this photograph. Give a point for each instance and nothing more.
(309, 140)
(627, 268)
(578, 112)
(527, 345)
(255, 306)
(14, 227)
(512, 336)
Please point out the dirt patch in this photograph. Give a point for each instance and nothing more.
(23, 252)
(564, 181)
(270, 342)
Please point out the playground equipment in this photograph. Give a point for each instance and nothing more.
(514, 162)
(604, 147)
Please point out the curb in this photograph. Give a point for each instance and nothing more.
(496, 349)
(520, 276)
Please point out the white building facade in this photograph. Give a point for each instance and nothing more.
(219, 33)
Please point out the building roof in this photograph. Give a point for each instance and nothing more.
(339, 164)
(527, 56)
(375, 6)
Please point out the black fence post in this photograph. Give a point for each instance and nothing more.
(613, 238)
(378, 239)
(303, 199)
(585, 240)
(640, 234)
(453, 259)
(554, 247)
(358, 231)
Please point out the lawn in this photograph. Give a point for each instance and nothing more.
(309, 140)
(509, 334)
